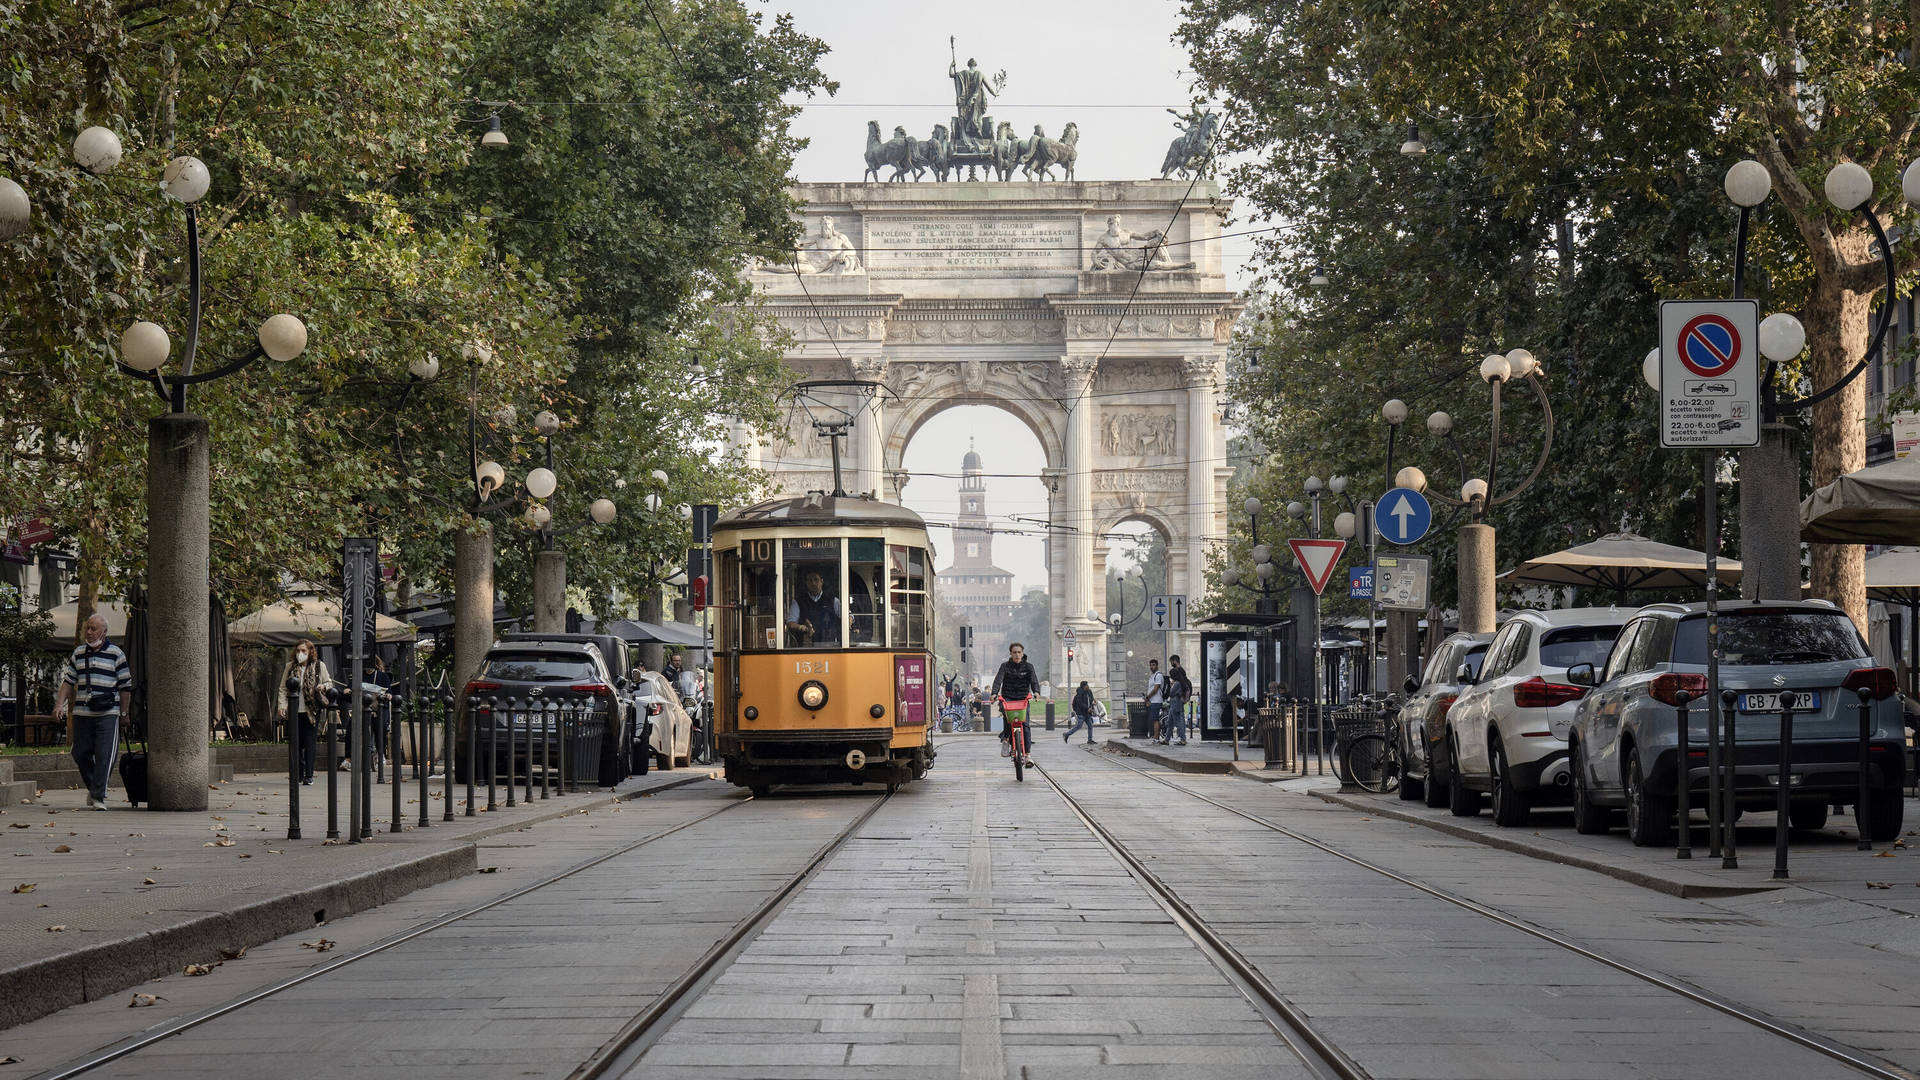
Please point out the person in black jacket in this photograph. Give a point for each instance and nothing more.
(1016, 679)
(1083, 709)
(1179, 691)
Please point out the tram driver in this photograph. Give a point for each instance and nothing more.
(814, 615)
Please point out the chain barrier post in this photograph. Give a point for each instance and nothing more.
(448, 715)
(546, 746)
(1684, 775)
(513, 713)
(493, 748)
(393, 774)
(333, 775)
(293, 764)
(1729, 807)
(1782, 802)
(1863, 808)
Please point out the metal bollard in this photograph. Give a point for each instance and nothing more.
(513, 707)
(422, 746)
(1729, 806)
(533, 709)
(293, 764)
(560, 722)
(1863, 809)
(393, 740)
(448, 714)
(546, 746)
(333, 775)
(473, 740)
(1782, 803)
(369, 753)
(493, 747)
(1683, 777)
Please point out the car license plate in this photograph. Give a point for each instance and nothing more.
(1804, 701)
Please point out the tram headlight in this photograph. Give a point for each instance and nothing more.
(753, 713)
(813, 695)
(877, 711)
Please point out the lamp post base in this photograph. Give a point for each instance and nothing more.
(178, 489)
(550, 593)
(1478, 609)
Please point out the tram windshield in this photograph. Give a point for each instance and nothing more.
(827, 593)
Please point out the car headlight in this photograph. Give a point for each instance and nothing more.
(813, 695)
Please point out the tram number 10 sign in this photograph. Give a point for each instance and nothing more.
(1710, 373)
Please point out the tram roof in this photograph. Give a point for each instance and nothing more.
(818, 509)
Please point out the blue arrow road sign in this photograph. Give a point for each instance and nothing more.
(1403, 515)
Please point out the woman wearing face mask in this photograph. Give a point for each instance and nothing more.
(307, 681)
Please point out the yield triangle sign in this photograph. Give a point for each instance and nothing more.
(1317, 558)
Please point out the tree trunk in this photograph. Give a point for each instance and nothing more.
(1837, 324)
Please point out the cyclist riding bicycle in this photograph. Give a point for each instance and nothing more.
(1014, 684)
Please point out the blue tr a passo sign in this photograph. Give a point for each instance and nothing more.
(1402, 516)
(1360, 582)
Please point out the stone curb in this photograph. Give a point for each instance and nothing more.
(1670, 885)
(40, 987)
(1177, 764)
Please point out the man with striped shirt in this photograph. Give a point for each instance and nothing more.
(96, 688)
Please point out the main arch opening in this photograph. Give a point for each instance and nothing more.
(974, 474)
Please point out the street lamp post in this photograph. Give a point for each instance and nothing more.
(179, 491)
(549, 562)
(1476, 539)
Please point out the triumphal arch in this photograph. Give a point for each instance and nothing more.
(1097, 312)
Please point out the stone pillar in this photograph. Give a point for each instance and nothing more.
(1770, 516)
(1076, 524)
(1203, 458)
(178, 489)
(472, 600)
(1477, 606)
(550, 593)
(869, 432)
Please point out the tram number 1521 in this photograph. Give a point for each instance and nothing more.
(810, 667)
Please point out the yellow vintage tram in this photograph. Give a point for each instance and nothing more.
(823, 661)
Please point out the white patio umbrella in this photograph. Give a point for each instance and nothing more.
(1893, 577)
(1622, 561)
(1875, 505)
(306, 618)
(66, 622)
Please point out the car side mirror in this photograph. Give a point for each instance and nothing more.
(1463, 675)
(1581, 675)
(1412, 684)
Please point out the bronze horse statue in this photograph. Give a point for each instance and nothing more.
(1005, 152)
(1193, 149)
(1045, 153)
(897, 152)
(935, 153)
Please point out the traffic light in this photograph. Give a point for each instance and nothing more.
(966, 642)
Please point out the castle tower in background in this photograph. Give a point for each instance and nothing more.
(980, 593)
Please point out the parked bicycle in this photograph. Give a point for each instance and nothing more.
(1371, 754)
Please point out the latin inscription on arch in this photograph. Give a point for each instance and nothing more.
(949, 245)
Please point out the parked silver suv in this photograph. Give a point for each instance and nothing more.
(1423, 719)
(1624, 737)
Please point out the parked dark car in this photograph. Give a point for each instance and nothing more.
(620, 660)
(1423, 719)
(538, 671)
(1624, 738)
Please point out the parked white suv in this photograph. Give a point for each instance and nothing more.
(1506, 733)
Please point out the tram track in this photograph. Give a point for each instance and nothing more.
(625, 1045)
(1270, 1000)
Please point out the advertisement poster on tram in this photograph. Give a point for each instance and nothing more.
(909, 691)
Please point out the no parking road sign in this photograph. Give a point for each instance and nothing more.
(1709, 373)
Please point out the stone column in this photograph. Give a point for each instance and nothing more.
(472, 600)
(869, 431)
(1770, 516)
(1477, 607)
(550, 593)
(1076, 508)
(178, 489)
(1203, 458)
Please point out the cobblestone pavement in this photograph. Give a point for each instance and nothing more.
(975, 928)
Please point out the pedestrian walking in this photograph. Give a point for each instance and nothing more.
(1179, 692)
(96, 690)
(1083, 708)
(1156, 697)
(308, 682)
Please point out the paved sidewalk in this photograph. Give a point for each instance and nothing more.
(96, 902)
(1199, 756)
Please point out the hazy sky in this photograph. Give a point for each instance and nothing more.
(1108, 66)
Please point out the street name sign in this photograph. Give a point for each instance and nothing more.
(1317, 559)
(1168, 611)
(1360, 582)
(1709, 373)
(1403, 516)
(1401, 581)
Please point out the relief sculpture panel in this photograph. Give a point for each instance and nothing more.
(1149, 431)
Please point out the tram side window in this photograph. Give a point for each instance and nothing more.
(759, 596)
(907, 596)
(866, 570)
(815, 616)
(726, 577)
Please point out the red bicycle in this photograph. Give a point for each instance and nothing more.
(1015, 714)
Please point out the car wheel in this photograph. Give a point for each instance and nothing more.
(1649, 817)
(663, 762)
(1461, 801)
(1588, 819)
(1509, 803)
(1807, 816)
(640, 757)
(1410, 788)
(1886, 808)
(1436, 787)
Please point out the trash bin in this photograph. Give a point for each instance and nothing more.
(1138, 726)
